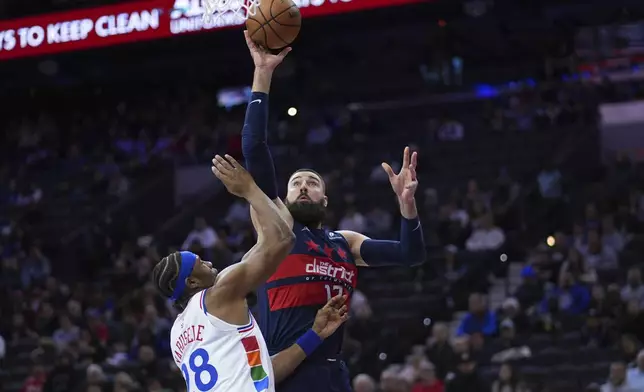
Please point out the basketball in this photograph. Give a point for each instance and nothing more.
(275, 25)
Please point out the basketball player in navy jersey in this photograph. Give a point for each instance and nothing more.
(321, 264)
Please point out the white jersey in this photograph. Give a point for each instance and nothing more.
(216, 356)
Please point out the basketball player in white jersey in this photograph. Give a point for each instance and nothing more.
(215, 341)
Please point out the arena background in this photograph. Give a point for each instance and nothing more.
(528, 124)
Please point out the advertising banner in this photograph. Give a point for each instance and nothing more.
(137, 21)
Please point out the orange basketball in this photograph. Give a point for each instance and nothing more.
(275, 25)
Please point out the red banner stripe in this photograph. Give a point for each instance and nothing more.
(135, 21)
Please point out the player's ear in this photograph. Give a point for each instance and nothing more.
(192, 282)
(326, 201)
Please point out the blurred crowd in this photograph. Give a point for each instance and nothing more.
(573, 320)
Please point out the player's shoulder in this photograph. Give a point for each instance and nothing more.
(351, 237)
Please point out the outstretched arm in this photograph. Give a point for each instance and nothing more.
(410, 249)
(274, 243)
(259, 161)
(327, 321)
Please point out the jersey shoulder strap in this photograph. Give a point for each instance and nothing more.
(336, 237)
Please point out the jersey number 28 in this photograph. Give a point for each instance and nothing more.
(200, 355)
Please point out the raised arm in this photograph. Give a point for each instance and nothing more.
(410, 248)
(273, 245)
(257, 154)
(255, 133)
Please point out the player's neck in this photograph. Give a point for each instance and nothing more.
(316, 226)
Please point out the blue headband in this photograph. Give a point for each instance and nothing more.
(188, 260)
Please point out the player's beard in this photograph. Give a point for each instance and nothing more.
(308, 213)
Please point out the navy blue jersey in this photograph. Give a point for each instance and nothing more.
(319, 267)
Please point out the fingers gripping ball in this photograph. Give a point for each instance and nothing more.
(275, 25)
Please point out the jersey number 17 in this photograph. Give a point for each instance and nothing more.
(333, 290)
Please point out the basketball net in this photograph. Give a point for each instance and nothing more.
(228, 12)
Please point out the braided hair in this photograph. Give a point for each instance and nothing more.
(165, 276)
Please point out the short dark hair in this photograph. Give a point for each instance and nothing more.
(304, 169)
(165, 276)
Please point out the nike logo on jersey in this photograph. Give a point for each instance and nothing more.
(255, 100)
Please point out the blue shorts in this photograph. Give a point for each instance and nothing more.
(327, 376)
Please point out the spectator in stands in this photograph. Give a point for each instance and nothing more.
(203, 234)
(511, 310)
(629, 347)
(63, 377)
(479, 318)
(611, 237)
(149, 366)
(123, 382)
(632, 321)
(36, 379)
(507, 380)
(617, 381)
(319, 135)
(35, 268)
(413, 363)
(474, 195)
(478, 347)
(634, 289)
(635, 376)
(94, 376)
(363, 383)
(66, 333)
(530, 291)
(427, 380)
(600, 319)
(450, 130)
(597, 255)
(508, 347)
(550, 183)
(360, 307)
(45, 323)
(487, 237)
(453, 224)
(118, 185)
(390, 381)
(570, 297)
(504, 195)
(577, 267)
(11, 274)
(222, 255)
(238, 213)
(466, 377)
(353, 220)
(378, 222)
(439, 350)
(31, 195)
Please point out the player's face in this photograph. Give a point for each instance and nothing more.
(305, 198)
(203, 274)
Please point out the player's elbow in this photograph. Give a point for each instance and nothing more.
(279, 246)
